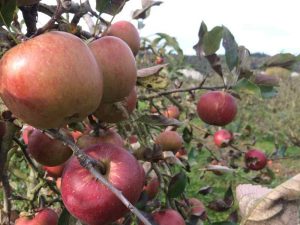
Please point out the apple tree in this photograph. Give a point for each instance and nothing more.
(100, 125)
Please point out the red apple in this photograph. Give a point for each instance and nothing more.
(57, 88)
(255, 159)
(223, 138)
(169, 141)
(54, 171)
(159, 60)
(128, 33)
(168, 217)
(89, 200)
(46, 216)
(217, 108)
(152, 188)
(172, 112)
(105, 136)
(112, 113)
(118, 67)
(48, 151)
(196, 208)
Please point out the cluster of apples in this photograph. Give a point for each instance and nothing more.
(219, 108)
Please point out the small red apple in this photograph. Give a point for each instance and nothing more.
(223, 138)
(47, 151)
(255, 159)
(111, 113)
(105, 136)
(168, 217)
(46, 216)
(89, 200)
(54, 171)
(217, 108)
(152, 188)
(172, 112)
(127, 32)
(159, 60)
(169, 141)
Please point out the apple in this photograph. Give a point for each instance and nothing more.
(217, 108)
(167, 217)
(152, 188)
(57, 88)
(118, 67)
(54, 171)
(127, 32)
(111, 113)
(172, 112)
(105, 136)
(26, 131)
(255, 159)
(197, 208)
(159, 60)
(169, 141)
(89, 200)
(223, 138)
(48, 151)
(46, 216)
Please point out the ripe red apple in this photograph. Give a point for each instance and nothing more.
(54, 171)
(152, 188)
(111, 113)
(168, 217)
(172, 112)
(217, 108)
(105, 136)
(255, 159)
(89, 200)
(169, 141)
(57, 88)
(223, 138)
(48, 151)
(159, 60)
(46, 216)
(128, 33)
(118, 67)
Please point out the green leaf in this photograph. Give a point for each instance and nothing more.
(64, 217)
(212, 40)
(7, 10)
(284, 60)
(187, 134)
(268, 91)
(231, 49)
(247, 86)
(111, 7)
(199, 46)
(171, 42)
(177, 185)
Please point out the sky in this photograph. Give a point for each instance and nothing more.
(263, 26)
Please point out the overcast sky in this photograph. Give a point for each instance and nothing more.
(261, 25)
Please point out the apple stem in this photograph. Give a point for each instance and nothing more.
(96, 169)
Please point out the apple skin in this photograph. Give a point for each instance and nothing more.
(118, 67)
(128, 33)
(167, 217)
(152, 188)
(172, 112)
(57, 88)
(255, 159)
(223, 138)
(89, 200)
(107, 136)
(108, 112)
(54, 171)
(217, 108)
(47, 151)
(169, 141)
(46, 216)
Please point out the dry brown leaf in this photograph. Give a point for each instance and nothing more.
(262, 206)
